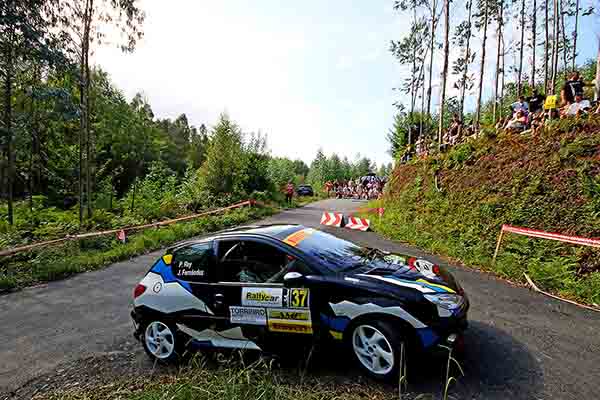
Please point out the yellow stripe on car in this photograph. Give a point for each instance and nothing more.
(336, 335)
(167, 258)
(446, 288)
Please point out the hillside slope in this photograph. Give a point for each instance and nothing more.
(549, 182)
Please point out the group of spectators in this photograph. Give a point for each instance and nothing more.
(534, 112)
(365, 188)
(528, 115)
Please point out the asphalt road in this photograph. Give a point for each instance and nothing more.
(520, 345)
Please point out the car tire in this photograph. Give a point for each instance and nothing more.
(162, 342)
(375, 345)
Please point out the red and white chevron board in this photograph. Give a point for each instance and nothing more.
(332, 219)
(359, 224)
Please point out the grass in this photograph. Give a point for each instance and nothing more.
(58, 262)
(231, 380)
(550, 182)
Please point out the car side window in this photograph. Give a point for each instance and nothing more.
(194, 263)
(249, 261)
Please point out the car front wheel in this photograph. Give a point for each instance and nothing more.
(376, 348)
(160, 342)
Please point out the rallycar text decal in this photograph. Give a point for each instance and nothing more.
(248, 315)
(265, 297)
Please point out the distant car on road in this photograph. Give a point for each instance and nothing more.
(305, 190)
(263, 287)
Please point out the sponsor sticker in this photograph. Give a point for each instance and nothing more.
(265, 297)
(248, 315)
(290, 326)
(425, 267)
(289, 314)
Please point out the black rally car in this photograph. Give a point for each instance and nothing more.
(249, 287)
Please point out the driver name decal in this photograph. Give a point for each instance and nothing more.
(265, 297)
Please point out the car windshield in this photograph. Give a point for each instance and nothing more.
(336, 254)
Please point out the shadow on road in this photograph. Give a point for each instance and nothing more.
(496, 366)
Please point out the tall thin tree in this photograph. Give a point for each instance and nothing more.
(533, 42)
(499, 40)
(546, 46)
(575, 34)
(521, 45)
(484, 25)
(444, 70)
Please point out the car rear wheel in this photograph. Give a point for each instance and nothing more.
(376, 349)
(160, 342)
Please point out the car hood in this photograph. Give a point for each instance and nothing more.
(408, 272)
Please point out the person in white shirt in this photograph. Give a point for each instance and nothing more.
(579, 106)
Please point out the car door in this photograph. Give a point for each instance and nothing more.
(250, 282)
(194, 267)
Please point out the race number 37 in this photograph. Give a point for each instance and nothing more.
(298, 298)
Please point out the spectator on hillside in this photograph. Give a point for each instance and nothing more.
(328, 187)
(536, 101)
(520, 105)
(518, 122)
(571, 88)
(597, 109)
(453, 134)
(578, 107)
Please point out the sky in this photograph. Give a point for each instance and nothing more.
(309, 74)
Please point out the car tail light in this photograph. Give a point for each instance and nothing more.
(436, 269)
(139, 289)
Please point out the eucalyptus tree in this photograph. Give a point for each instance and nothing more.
(533, 42)
(462, 38)
(499, 49)
(521, 46)
(87, 23)
(482, 21)
(444, 70)
(546, 46)
(410, 51)
(26, 39)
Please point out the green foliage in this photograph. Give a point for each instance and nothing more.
(550, 183)
(60, 261)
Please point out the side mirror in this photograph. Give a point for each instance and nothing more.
(293, 278)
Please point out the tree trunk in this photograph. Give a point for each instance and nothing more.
(88, 141)
(555, 33)
(502, 83)
(467, 61)
(8, 82)
(575, 33)
(521, 45)
(546, 46)
(597, 89)
(564, 37)
(82, 131)
(482, 69)
(133, 196)
(499, 36)
(431, 51)
(533, 42)
(444, 70)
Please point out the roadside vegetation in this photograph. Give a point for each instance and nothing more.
(455, 203)
(227, 380)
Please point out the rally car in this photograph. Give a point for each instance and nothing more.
(251, 287)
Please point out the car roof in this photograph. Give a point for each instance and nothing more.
(276, 231)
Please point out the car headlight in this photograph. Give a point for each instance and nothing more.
(447, 301)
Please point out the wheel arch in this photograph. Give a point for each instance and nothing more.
(408, 331)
